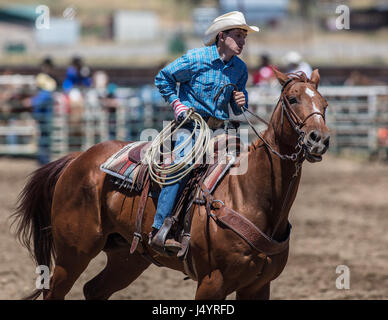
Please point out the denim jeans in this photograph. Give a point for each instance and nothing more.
(44, 141)
(168, 195)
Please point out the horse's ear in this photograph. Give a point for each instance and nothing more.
(282, 78)
(315, 77)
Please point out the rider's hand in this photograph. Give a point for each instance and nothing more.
(181, 116)
(180, 110)
(239, 98)
(233, 125)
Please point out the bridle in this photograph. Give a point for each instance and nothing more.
(296, 123)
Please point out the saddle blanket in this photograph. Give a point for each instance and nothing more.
(122, 167)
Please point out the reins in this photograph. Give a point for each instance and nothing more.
(296, 123)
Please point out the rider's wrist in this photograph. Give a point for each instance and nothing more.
(179, 107)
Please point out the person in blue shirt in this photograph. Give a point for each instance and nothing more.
(42, 105)
(77, 75)
(201, 73)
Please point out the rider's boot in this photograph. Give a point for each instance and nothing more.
(170, 244)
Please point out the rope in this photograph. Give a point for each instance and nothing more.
(172, 173)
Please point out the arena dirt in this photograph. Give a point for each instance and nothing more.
(340, 217)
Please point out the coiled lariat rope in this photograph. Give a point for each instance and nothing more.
(164, 174)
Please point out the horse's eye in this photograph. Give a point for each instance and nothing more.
(292, 100)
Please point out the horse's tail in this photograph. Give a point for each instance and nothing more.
(33, 213)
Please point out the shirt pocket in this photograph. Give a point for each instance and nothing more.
(203, 86)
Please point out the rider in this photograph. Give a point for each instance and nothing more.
(201, 73)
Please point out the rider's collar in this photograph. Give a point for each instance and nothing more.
(214, 56)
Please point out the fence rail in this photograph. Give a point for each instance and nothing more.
(354, 116)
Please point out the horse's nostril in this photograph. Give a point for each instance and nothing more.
(314, 136)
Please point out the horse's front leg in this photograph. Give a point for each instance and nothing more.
(211, 287)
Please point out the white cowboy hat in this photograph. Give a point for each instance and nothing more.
(45, 82)
(230, 20)
(292, 57)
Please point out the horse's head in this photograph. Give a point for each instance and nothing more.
(303, 113)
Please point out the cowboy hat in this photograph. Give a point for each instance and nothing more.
(45, 82)
(292, 57)
(230, 20)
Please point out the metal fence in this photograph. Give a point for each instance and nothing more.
(354, 116)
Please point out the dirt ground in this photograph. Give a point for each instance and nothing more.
(340, 217)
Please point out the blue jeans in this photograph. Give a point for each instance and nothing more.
(168, 195)
(44, 142)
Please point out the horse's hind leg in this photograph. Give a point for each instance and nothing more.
(77, 239)
(121, 270)
(70, 263)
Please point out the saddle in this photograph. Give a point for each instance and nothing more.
(127, 170)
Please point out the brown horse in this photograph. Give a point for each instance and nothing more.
(69, 208)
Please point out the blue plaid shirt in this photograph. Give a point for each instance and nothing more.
(201, 73)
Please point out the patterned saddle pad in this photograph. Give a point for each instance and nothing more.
(123, 167)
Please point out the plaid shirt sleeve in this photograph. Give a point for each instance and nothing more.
(166, 80)
(241, 84)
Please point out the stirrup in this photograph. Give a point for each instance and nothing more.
(172, 245)
(160, 243)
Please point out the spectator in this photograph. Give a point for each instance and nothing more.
(100, 82)
(295, 63)
(77, 75)
(264, 75)
(42, 105)
(47, 67)
(107, 95)
(382, 136)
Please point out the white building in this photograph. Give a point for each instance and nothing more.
(135, 25)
